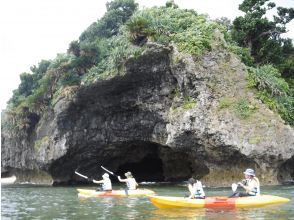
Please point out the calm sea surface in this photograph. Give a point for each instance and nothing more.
(40, 202)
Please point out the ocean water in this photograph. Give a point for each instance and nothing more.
(44, 202)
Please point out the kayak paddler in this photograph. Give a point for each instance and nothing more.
(250, 184)
(196, 189)
(106, 183)
(130, 181)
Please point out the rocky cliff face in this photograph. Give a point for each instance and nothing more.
(169, 117)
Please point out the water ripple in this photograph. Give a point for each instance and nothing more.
(35, 202)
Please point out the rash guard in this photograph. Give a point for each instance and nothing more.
(131, 183)
(196, 190)
(106, 185)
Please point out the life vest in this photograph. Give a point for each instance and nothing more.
(254, 185)
(198, 189)
(131, 183)
(106, 185)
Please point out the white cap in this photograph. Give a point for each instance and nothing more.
(105, 175)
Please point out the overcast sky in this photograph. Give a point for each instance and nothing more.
(32, 30)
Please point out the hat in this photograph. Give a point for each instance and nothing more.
(128, 174)
(249, 172)
(191, 181)
(105, 175)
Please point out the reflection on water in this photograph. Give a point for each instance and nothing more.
(177, 213)
(196, 214)
(35, 202)
(221, 214)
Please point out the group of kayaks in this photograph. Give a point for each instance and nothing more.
(181, 202)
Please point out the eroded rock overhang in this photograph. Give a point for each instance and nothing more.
(162, 121)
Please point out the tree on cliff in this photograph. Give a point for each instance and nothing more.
(29, 82)
(104, 47)
(67, 69)
(118, 12)
(263, 36)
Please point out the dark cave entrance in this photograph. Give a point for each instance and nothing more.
(148, 169)
(152, 162)
(286, 172)
(148, 162)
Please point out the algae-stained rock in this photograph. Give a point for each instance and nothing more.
(169, 117)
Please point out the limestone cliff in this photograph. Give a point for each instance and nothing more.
(169, 117)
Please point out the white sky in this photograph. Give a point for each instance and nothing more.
(32, 30)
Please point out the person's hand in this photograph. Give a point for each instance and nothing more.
(244, 182)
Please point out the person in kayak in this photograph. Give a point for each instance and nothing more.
(250, 184)
(196, 189)
(106, 183)
(130, 181)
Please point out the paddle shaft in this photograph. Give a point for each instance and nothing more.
(76, 172)
(108, 171)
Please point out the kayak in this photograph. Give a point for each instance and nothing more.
(8, 180)
(215, 202)
(94, 193)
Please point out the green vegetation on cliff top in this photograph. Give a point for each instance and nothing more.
(104, 47)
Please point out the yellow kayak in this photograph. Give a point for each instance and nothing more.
(215, 202)
(94, 193)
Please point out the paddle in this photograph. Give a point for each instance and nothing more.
(81, 175)
(234, 187)
(108, 171)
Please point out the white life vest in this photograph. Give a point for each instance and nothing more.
(198, 189)
(253, 184)
(106, 185)
(131, 183)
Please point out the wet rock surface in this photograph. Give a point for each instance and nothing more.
(169, 117)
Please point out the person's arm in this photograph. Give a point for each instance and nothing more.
(257, 186)
(121, 180)
(98, 181)
(250, 186)
(192, 191)
(246, 188)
